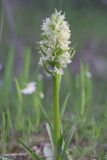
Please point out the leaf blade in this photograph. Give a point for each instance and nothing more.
(32, 153)
(64, 105)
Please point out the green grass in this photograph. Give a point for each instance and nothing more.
(89, 126)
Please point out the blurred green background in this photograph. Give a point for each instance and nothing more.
(20, 22)
(88, 23)
(20, 28)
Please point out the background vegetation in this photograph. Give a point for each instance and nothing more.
(84, 82)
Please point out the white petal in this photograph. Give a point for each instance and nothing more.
(30, 88)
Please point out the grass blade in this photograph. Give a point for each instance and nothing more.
(60, 144)
(46, 116)
(18, 89)
(32, 153)
(51, 136)
(69, 137)
(64, 105)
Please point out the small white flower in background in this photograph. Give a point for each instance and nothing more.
(88, 74)
(54, 46)
(29, 89)
(41, 95)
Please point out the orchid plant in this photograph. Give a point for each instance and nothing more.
(55, 54)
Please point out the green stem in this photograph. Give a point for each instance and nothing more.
(56, 113)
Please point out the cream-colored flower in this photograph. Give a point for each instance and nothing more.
(54, 46)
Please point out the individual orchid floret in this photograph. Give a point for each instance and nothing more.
(54, 45)
(29, 89)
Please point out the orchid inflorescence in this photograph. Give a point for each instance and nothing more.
(54, 45)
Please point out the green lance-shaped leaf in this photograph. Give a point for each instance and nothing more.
(51, 135)
(46, 116)
(64, 105)
(69, 137)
